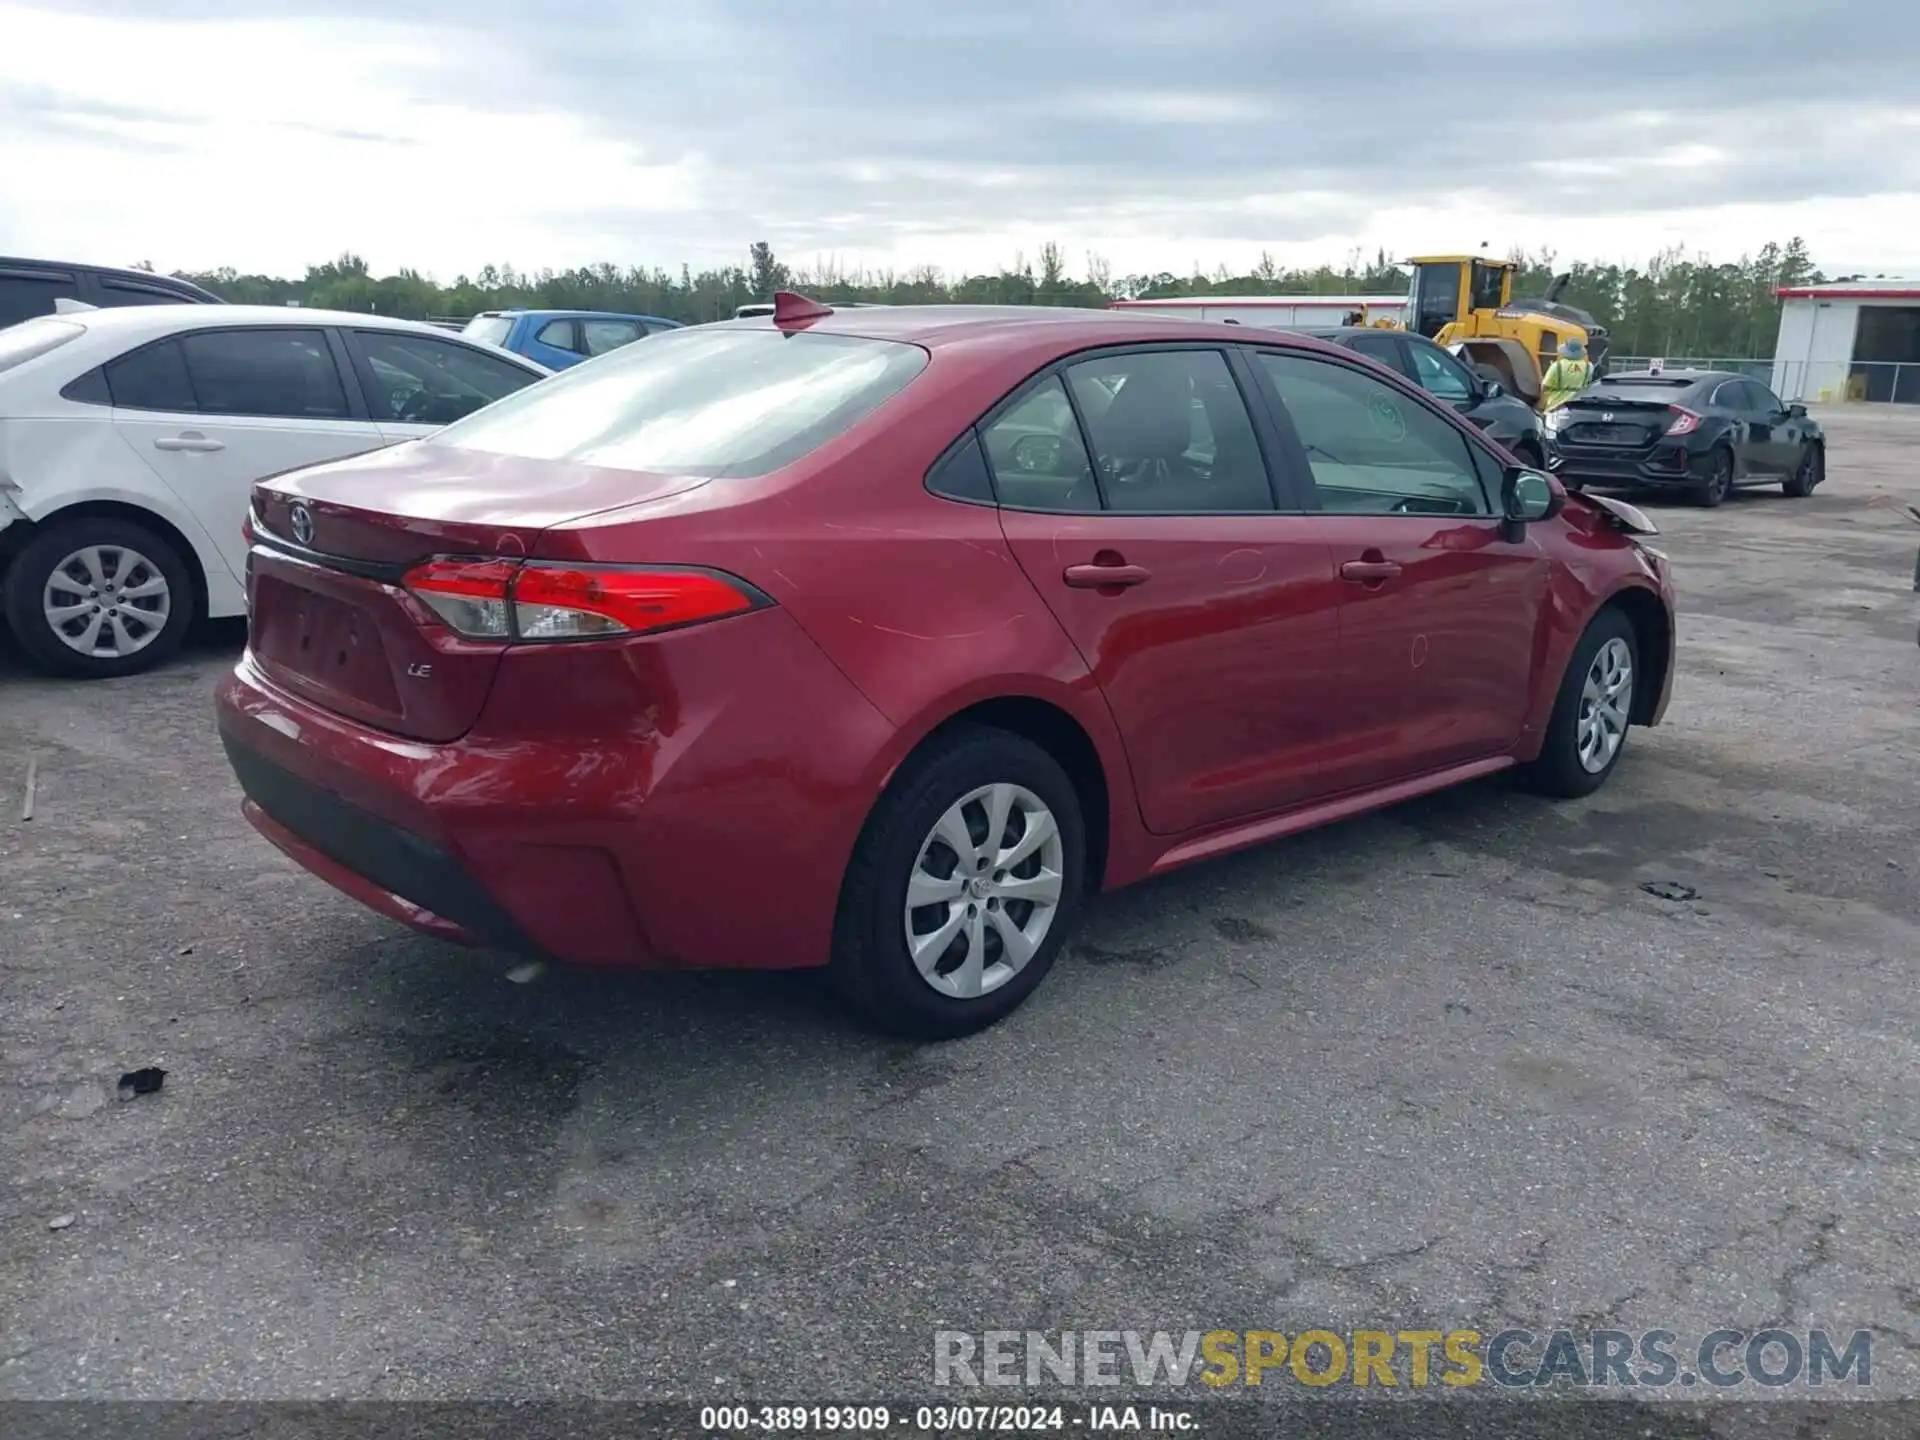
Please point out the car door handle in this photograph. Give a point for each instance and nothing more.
(1098, 577)
(1369, 572)
(188, 440)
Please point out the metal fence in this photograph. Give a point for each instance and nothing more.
(1872, 381)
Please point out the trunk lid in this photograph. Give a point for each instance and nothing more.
(1624, 419)
(331, 620)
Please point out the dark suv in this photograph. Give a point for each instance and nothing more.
(1480, 398)
(30, 287)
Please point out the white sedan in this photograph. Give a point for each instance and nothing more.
(130, 440)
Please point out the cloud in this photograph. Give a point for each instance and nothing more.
(899, 131)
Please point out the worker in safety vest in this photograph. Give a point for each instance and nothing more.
(1565, 378)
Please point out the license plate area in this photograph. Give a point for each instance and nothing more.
(1607, 435)
(328, 642)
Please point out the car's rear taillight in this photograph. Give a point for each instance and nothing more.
(246, 528)
(1685, 422)
(508, 600)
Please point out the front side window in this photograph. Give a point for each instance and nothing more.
(699, 401)
(421, 381)
(1170, 433)
(289, 374)
(1371, 449)
(1036, 455)
(489, 329)
(1440, 374)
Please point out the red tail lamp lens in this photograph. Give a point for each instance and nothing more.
(501, 599)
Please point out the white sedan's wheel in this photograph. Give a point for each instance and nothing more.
(107, 602)
(98, 596)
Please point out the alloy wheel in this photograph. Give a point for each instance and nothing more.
(984, 890)
(106, 601)
(1606, 700)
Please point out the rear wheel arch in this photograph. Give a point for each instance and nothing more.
(16, 537)
(1055, 730)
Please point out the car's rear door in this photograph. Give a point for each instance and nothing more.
(1438, 610)
(415, 383)
(212, 411)
(554, 343)
(1143, 512)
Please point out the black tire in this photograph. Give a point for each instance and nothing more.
(1808, 473)
(871, 966)
(1719, 482)
(1558, 770)
(33, 567)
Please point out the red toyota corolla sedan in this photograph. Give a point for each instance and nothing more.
(878, 639)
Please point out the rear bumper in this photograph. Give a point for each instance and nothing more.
(1661, 466)
(709, 828)
(383, 866)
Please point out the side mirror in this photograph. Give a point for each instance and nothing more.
(1796, 410)
(1528, 496)
(1493, 389)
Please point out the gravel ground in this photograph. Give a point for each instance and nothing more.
(1444, 1066)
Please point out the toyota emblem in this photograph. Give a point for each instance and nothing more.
(302, 520)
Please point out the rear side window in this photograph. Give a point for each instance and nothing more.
(113, 293)
(600, 336)
(1033, 447)
(23, 295)
(1170, 433)
(558, 334)
(151, 379)
(34, 338)
(700, 401)
(1381, 347)
(284, 373)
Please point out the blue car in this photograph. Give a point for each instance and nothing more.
(559, 338)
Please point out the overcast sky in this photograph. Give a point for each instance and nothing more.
(444, 134)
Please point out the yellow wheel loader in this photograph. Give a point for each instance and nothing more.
(1465, 302)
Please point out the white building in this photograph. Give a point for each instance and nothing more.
(1276, 312)
(1849, 340)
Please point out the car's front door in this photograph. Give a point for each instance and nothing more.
(1775, 439)
(1143, 513)
(1439, 611)
(415, 383)
(212, 411)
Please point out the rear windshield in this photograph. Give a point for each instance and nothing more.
(488, 329)
(1658, 392)
(701, 401)
(32, 338)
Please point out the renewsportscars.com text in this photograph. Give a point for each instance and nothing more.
(1414, 1359)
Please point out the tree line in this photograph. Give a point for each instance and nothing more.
(1674, 304)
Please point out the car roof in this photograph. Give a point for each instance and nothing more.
(1015, 328)
(1672, 376)
(134, 320)
(110, 272)
(577, 315)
